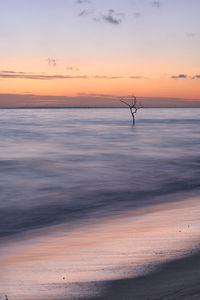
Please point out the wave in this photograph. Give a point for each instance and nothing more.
(66, 166)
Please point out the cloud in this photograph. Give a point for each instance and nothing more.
(106, 77)
(190, 34)
(184, 76)
(156, 4)
(116, 77)
(136, 77)
(96, 19)
(22, 75)
(50, 101)
(87, 100)
(12, 72)
(72, 69)
(51, 62)
(86, 12)
(196, 77)
(82, 1)
(180, 76)
(33, 76)
(137, 14)
(97, 95)
(112, 17)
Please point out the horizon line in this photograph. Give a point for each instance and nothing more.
(93, 107)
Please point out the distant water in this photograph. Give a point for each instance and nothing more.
(64, 165)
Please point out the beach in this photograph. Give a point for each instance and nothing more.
(68, 264)
(178, 279)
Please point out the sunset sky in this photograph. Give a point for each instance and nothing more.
(91, 52)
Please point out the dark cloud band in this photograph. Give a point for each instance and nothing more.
(185, 76)
(23, 75)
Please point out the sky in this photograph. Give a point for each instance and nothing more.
(92, 52)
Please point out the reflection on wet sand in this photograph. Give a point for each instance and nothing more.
(59, 263)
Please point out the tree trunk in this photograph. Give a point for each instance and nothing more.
(133, 117)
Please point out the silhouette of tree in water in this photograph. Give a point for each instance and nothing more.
(131, 102)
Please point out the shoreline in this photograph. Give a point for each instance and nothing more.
(156, 204)
(93, 259)
(174, 280)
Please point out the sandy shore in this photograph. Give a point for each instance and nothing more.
(72, 264)
(177, 280)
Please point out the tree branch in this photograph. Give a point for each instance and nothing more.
(134, 101)
(125, 102)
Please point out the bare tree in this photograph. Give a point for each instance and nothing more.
(132, 104)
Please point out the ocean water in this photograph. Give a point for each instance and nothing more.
(64, 166)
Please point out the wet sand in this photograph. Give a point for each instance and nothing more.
(62, 263)
(177, 280)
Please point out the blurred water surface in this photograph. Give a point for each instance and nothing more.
(64, 165)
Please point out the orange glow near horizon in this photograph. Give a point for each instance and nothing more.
(143, 87)
(149, 81)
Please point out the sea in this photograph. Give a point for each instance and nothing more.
(78, 167)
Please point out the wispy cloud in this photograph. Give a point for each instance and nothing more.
(33, 76)
(51, 62)
(22, 75)
(96, 95)
(156, 4)
(86, 12)
(110, 16)
(12, 72)
(185, 76)
(180, 76)
(107, 77)
(196, 77)
(82, 1)
(113, 17)
(137, 14)
(97, 19)
(69, 68)
(192, 35)
(116, 77)
(136, 77)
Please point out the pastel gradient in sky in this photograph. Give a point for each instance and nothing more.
(86, 49)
